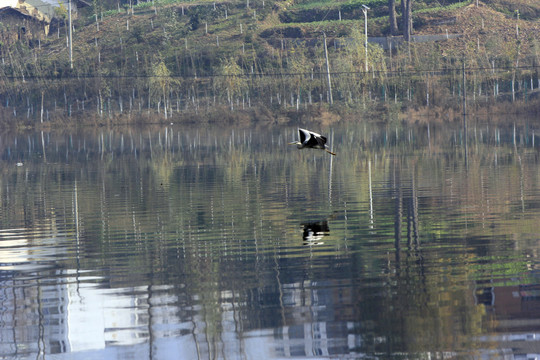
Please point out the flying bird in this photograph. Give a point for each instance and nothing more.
(312, 140)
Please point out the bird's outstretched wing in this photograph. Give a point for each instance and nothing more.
(310, 139)
(303, 135)
(321, 141)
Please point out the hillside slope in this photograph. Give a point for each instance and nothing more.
(171, 58)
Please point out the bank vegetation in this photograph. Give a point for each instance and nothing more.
(273, 62)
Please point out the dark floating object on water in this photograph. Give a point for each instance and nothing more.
(312, 140)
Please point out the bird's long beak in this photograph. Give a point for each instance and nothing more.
(293, 143)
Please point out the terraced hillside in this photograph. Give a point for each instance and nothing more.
(173, 60)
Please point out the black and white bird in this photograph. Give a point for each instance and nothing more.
(312, 140)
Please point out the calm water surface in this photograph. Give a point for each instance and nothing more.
(186, 243)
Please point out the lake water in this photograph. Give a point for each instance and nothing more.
(219, 243)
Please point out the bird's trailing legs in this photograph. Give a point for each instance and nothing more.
(328, 151)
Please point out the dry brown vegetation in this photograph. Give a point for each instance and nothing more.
(191, 62)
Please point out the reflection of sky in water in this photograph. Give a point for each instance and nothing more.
(83, 320)
(18, 253)
(219, 248)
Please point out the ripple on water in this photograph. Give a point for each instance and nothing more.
(385, 252)
(34, 249)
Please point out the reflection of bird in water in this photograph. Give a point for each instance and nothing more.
(312, 140)
(314, 232)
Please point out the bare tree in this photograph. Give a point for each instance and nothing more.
(392, 16)
(406, 19)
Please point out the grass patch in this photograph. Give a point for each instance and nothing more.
(453, 6)
(328, 4)
(318, 24)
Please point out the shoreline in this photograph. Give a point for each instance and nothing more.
(321, 115)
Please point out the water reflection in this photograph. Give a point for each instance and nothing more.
(314, 232)
(174, 242)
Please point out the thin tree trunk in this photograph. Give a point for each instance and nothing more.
(406, 19)
(331, 100)
(392, 16)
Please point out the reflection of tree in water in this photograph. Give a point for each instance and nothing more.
(418, 288)
(406, 205)
(221, 238)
